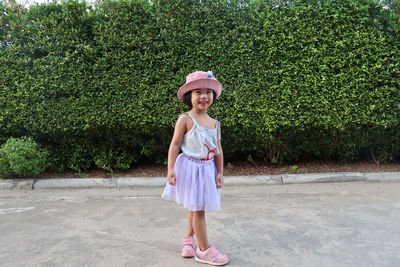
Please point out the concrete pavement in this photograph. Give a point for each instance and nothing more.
(124, 182)
(311, 224)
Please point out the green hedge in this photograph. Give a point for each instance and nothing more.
(96, 85)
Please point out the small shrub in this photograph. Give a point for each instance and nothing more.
(22, 157)
(81, 175)
(293, 169)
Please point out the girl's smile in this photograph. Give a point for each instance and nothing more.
(203, 103)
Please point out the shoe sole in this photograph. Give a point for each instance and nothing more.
(187, 256)
(209, 262)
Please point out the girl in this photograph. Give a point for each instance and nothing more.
(196, 175)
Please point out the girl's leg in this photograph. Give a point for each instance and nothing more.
(200, 229)
(190, 231)
(188, 243)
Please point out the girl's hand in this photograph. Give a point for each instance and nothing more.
(219, 180)
(171, 176)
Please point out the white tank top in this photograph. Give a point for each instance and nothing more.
(201, 142)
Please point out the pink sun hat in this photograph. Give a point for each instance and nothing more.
(200, 79)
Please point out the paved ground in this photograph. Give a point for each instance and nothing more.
(325, 224)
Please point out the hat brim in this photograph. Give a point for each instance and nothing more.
(200, 83)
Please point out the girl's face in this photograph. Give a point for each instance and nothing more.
(202, 98)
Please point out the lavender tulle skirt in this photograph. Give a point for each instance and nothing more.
(195, 187)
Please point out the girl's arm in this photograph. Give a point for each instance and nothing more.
(219, 164)
(180, 128)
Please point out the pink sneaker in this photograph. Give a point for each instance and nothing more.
(211, 256)
(188, 247)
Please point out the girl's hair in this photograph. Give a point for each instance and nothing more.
(187, 99)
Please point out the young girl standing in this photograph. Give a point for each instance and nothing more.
(196, 175)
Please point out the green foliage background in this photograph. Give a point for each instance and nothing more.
(302, 79)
